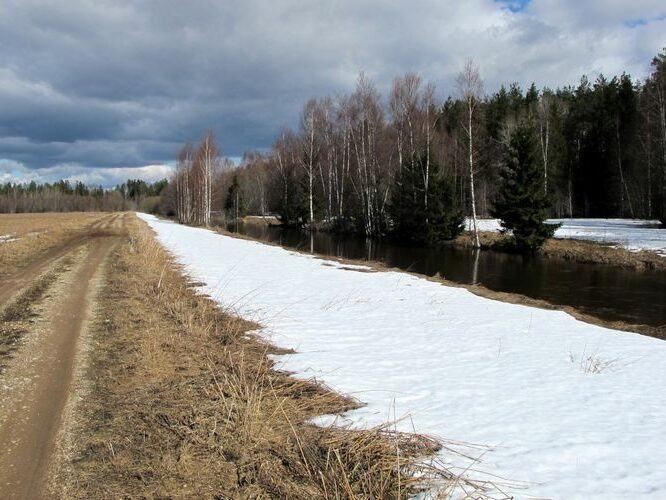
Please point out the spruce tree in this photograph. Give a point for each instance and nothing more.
(234, 204)
(521, 205)
(445, 219)
(406, 208)
(293, 208)
(660, 208)
(415, 223)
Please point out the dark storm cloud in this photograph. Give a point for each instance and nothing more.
(124, 83)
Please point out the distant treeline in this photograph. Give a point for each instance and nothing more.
(66, 196)
(601, 147)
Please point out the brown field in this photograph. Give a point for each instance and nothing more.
(122, 382)
(35, 234)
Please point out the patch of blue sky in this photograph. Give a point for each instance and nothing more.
(514, 5)
(642, 21)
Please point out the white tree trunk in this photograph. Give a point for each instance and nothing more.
(470, 109)
(544, 136)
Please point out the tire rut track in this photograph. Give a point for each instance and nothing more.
(17, 318)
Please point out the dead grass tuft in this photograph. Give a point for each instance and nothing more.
(593, 363)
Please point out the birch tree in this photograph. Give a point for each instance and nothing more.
(288, 162)
(403, 105)
(341, 172)
(367, 125)
(310, 122)
(543, 111)
(470, 88)
(329, 156)
(208, 155)
(428, 120)
(183, 185)
(194, 180)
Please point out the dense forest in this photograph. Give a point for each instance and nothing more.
(601, 146)
(65, 196)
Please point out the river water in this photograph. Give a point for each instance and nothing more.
(603, 291)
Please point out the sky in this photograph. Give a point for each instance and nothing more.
(103, 90)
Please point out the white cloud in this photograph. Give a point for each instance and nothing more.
(12, 171)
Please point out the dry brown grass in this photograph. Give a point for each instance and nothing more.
(37, 233)
(597, 253)
(186, 403)
(267, 220)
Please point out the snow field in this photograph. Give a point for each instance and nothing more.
(572, 409)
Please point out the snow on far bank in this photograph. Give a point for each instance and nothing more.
(632, 234)
(487, 225)
(518, 379)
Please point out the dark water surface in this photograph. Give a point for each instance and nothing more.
(604, 291)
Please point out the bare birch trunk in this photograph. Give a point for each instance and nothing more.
(470, 87)
(623, 184)
(477, 244)
(544, 139)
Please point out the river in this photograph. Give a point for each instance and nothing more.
(604, 291)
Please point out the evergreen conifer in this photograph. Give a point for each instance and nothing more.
(234, 204)
(293, 208)
(413, 221)
(522, 206)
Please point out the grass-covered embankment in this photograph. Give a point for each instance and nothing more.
(185, 402)
(584, 252)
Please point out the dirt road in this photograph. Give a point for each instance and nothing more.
(36, 384)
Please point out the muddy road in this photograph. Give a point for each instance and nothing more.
(48, 329)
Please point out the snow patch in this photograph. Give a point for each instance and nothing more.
(631, 234)
(6, 238)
